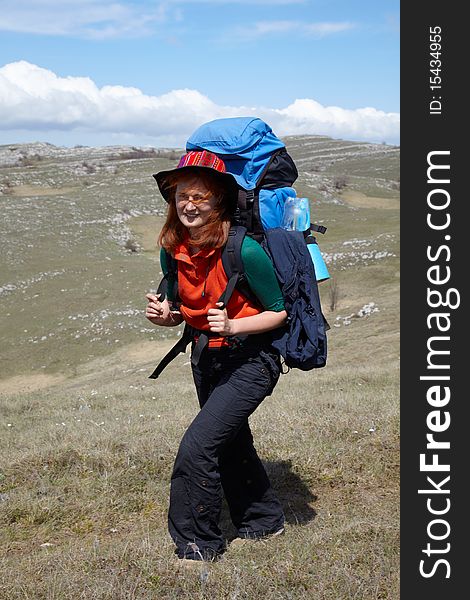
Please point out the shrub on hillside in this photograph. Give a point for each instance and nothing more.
(131, 245)
(340, 182)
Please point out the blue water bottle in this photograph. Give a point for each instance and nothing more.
(296, 217)
(321, 270)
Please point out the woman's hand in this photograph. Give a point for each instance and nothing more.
(219, 321)
(264, 321)
(159, 313)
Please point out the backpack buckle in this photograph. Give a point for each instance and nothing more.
(250, 196)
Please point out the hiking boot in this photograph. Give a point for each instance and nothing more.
(240, 541)
(189, 564)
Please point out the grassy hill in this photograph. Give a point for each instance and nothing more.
(88, 441)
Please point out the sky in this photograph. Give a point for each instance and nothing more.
(149, 72)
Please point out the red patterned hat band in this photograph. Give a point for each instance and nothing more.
(202, 158)
(199, 160)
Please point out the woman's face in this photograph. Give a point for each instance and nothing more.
(194, 202)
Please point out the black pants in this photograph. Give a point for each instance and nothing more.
(217, 453)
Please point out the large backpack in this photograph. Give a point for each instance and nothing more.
(265, 173)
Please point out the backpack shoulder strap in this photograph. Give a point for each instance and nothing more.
(232, 261)
(234, 267)
(171, 274)
(232, 252)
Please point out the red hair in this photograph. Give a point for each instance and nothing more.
(212, 234)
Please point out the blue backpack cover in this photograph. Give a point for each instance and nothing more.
(259, 162)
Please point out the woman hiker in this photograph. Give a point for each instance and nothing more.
(236, 366)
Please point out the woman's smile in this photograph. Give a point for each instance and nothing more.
(194, 202)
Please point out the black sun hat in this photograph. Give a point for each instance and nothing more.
(201, 161)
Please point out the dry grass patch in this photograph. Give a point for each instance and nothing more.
(19, 384)
(26, 191)
(361, 200)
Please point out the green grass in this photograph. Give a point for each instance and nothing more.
(86, 463)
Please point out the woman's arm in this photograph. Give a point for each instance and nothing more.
(264, 321)
(262, 280)
(159, 313)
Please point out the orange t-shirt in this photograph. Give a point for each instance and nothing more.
(201, 282)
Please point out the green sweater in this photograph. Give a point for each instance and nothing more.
(259, 273)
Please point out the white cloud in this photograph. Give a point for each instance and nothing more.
(81, 18)
(322, 29)
(318, 30)
(37, 100)
(308, 116)
(100, 19)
